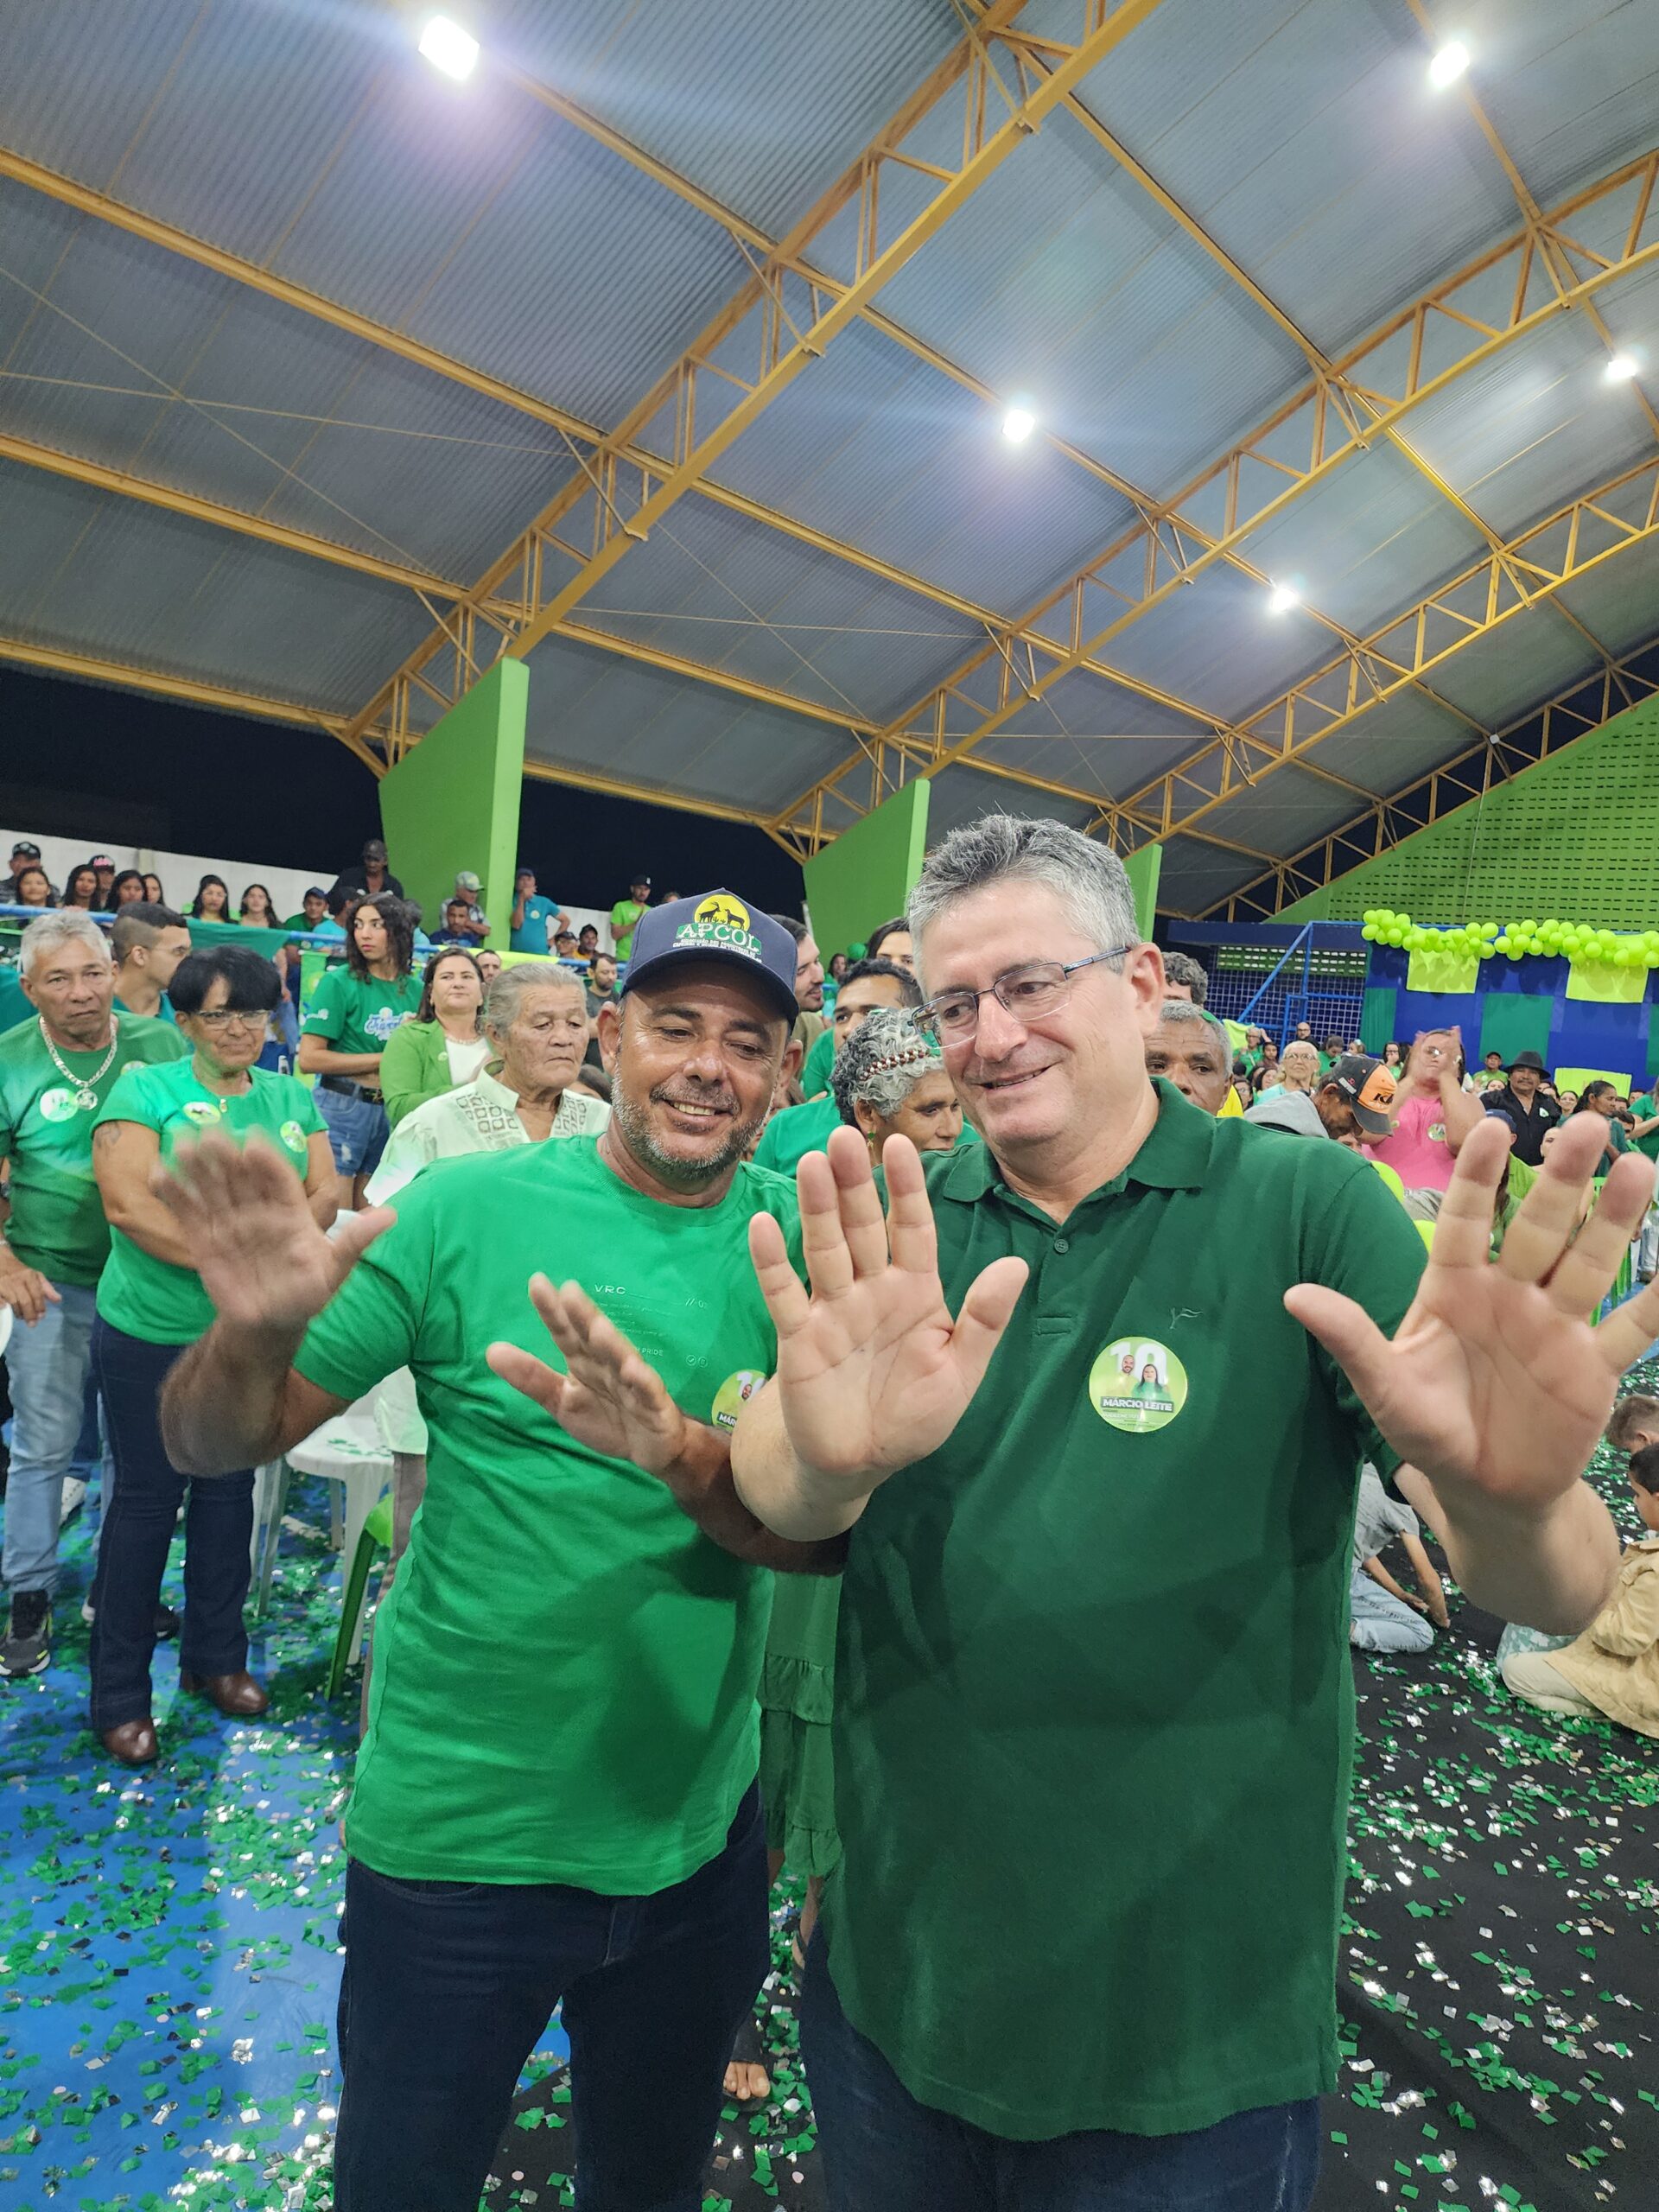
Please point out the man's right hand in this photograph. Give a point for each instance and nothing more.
(25, 1290)
(260, 1256)
(873, 1373)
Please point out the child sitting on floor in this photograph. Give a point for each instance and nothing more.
(1381, 1617)
(1613, 1669)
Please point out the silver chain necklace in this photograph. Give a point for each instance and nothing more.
(86, 1097)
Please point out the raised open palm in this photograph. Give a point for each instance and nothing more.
(260, 1256)
(873, 1373)
(1495, 1384)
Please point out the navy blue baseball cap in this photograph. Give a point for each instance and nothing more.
(717, 926)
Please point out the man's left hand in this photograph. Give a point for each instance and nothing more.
(1497, 1385)
(608, 1398)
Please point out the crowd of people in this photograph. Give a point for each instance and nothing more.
(812, 1357)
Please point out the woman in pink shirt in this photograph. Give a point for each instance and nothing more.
(1433, 1113)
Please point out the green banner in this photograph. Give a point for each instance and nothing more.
(1377, 1016)
(1512, 1022)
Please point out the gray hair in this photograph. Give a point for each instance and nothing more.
(1179, 1010)
(882, 1063)
(63, 925)
(513, 986)
(1089, 881)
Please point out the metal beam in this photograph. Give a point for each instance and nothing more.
(1563, 721)
(171, 500)
(1521, 576)
(56, 661)
(84, 667)
(768, 334)
(1256, 480)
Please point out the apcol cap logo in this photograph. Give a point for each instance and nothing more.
(724, 911)
(720, 919)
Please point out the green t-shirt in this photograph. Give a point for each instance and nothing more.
(1092, 1683)
(565, 1670)
(1642, 1107)
(57, 1221)
(357, 1014)
(625, 919)
(151, 1298)
(163, 1010)
(789, 1136)
(815, 1076)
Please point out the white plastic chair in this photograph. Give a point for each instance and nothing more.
(348, 1451)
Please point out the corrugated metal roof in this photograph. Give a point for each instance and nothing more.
(1620, 599)
(95, 574)
(1217, 645)
(762, 107)
(959, 797)
(714, 587)
(1499, 677)
(1394, 742)
(1194, 876)
(618, 718)
(1571, 85)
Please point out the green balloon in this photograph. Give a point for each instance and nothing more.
(1368, 931)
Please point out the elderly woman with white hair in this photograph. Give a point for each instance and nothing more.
(889, 1080)
(535, 1020)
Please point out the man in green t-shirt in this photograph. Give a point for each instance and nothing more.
(626, 916)
(1093, 1702)
(555, 1797)
(147, 942)
(799, 1130)
(56, 1070)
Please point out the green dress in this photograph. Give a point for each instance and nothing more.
(797, 1783)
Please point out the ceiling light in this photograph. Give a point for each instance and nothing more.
(1622, 368)
(1448, 64)
(448, 47)
(1282, 598)
(1018, 424)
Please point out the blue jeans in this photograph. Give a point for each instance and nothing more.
(358, 1129)
(448, 1986)
(1382, 1623)
(138, 1529)
(48, 1365)
(883, 2150)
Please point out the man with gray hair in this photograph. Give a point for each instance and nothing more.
(1092, 1705)
(536, 1021)
(1190, 1049)
(56, 1070)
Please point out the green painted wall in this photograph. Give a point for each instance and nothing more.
(453, 801)
(864, 877)
(1143, 868)
(1575, 836)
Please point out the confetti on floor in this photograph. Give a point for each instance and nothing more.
(168, 1959)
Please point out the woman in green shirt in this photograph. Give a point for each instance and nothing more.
(354, 1014)
(445, 1044)
(151, 1306)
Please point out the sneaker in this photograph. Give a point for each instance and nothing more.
(28, 1644)
(74, 1496)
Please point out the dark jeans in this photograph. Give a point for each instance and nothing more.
(881, 2149)
(137, 1529)
(448, 1986)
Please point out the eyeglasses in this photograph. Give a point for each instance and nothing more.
(224, 1018)
(1027, 993)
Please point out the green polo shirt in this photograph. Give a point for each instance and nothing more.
(357, 1014)
(1094, 1703)
(1642, 1105)
(150, 1298)
(815, 1076)
(565, 1671)
(57, 1221)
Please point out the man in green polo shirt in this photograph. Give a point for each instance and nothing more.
(555, 1798)
(1093, 1701)
(56, 1070)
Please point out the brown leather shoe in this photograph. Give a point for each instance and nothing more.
(134, 1743)
(238, 1695)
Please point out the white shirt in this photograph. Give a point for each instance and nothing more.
(480, 1116)
(466, 1058)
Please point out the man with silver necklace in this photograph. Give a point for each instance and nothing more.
(55, 1072)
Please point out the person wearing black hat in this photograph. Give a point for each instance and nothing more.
(616, 1862)
(1527, 1104)
(371, 875)
(25, 854)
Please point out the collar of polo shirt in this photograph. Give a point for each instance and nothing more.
(1174, 1157)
